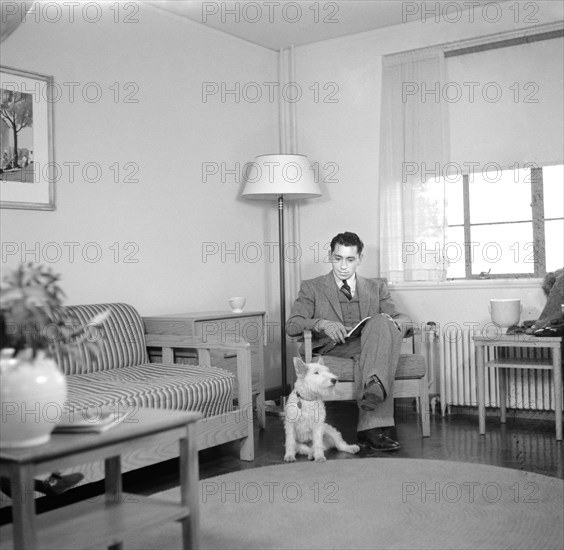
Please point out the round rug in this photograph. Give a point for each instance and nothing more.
(374, 503)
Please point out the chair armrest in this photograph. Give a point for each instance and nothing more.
(307, 345)
(163, 340)
(170, 342)
(411, 332)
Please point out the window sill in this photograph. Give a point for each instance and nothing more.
(468, 284)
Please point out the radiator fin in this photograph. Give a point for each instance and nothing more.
(526, 388)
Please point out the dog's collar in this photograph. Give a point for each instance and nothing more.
(300, 399)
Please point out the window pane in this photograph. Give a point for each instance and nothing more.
(453, 252)
(500, 196)
(455, 201)
(554, 235)
(553, 180)
(506, 248)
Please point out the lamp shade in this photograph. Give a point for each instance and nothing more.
(271, 176)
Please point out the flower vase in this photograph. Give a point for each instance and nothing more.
(32, 396)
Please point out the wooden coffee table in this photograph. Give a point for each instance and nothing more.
(106, 521)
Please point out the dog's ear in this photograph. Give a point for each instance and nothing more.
(320, 360)
(300, 367)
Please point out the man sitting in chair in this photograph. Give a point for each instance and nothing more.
(330, 306)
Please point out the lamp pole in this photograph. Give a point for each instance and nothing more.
(282, 294)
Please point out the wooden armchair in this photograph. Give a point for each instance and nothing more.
(410, 381)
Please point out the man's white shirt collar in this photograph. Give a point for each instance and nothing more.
(351, 281)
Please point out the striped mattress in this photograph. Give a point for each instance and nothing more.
(121, 375)
(207, 390)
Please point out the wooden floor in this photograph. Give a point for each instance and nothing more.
(520, 444)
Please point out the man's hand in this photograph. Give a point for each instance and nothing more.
(335, 330)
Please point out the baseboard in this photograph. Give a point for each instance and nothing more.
(521, 414)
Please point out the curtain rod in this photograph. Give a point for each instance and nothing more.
(506, 43)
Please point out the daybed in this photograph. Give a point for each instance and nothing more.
(121, 376)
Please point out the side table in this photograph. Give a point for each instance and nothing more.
(517, 341)
(248, 326)
(106, 522)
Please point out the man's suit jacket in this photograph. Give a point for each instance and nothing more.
(319, 299)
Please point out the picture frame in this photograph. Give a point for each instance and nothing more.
(27, 159)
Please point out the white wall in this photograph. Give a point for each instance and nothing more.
(170, 213)
(346, 133)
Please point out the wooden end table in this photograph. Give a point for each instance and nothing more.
(517, 341)
(106, 521)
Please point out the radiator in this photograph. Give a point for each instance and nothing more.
(527, 389)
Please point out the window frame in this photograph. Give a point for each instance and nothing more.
(538, 226)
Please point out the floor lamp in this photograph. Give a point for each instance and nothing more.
(281, 177)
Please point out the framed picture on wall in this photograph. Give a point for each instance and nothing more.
(27, 163)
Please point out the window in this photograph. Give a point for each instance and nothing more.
(505, 223)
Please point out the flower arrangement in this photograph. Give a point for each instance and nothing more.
(32, 318)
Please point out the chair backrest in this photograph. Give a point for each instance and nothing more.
(120, 340)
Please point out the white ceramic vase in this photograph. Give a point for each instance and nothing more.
(32, 395)
(505, 313)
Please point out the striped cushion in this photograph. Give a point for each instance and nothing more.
(208, 390)
(120, 340)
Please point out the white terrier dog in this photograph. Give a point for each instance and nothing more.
(304, 414)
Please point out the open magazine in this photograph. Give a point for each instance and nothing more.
(90, 421)
(355, 331)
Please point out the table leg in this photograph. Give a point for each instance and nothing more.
(112, 481)
(189, 485)
(113, 486)
(502, 373)
(244, 375)
(261, 410)
(23, 508)
(480, 376)
(557, 363)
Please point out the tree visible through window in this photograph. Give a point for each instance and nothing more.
(505, 223)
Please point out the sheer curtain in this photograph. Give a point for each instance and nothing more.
(413, 154)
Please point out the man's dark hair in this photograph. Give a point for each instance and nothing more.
(347, 239)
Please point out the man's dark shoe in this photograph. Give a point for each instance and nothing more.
(53, 486)
(374, 394)
(56, 484)
(377, 440)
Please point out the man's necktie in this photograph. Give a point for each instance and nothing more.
(346, 290)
